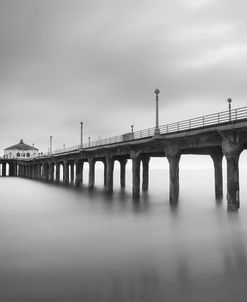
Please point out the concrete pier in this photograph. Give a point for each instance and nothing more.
(91, 177)
(78, 173)
(51, 172)
(72, 172)
(109, 173)
(57, 172)
(173, 155)
(223, 139)
(232, 148)
(65, 173)
(105, 168)
(145, 173)
(218, 177)
(135, 175)
(123, 163)
(3, 169)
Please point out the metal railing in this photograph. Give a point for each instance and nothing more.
(186, 125)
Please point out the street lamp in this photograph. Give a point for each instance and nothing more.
(81, 133)
(229, 108)
(132, 128)
(50, 144)
(89, 141)
(157, 129)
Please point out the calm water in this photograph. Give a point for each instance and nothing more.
(67, 244)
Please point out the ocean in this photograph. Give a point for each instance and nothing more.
(70, 244)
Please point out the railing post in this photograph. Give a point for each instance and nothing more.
(218, 118)
(203, 121)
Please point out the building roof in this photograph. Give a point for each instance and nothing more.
(21, 146)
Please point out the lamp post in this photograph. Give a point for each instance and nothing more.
(81, 134)
(132, 128)
(50, 144)
(157, 129)
(89, 141)
(229, 108)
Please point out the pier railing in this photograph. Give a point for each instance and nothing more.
(227, 116)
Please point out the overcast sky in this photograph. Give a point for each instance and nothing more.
(65, 61)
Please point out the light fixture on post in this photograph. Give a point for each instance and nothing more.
(157, 129)
(81, 145)
(229, 108)
(50, 144)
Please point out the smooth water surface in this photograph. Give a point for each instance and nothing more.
(65, 244)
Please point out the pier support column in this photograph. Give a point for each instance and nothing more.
(51, 172)
(173, 156)
(20, 170)
(38, 171)
(3, 169)
(104, 162)
(15, 169)
(72, 173)
(123, 163)
(57, 172)
(135, 175)
(232, 149)
(145, 173)
(11, 169)
(218, 178)
(32, 171)
(91, 176)
(46, 172)
(109, 173)
(65, 173)
(78, 172)
(25, 171)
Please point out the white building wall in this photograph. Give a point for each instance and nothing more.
(20, 153)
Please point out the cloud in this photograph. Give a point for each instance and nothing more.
(66, 61)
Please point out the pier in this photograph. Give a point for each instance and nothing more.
(218, 135)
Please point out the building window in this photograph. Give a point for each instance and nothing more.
(23, 154)
(18, 154)
(28, 154)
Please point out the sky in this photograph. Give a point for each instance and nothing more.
(99, 62)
